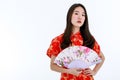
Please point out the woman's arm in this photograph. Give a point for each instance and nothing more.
(55, 67)
(88, 71)
(98, 66)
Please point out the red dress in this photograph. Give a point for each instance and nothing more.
(76, 40)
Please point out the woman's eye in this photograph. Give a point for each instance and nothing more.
(83, 14)
(76, 13)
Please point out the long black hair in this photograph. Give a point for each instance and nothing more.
(88, 39)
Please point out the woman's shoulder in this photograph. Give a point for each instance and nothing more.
(57, 38)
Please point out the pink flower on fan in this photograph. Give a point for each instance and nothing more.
(81, 48)
(87, 50)
(65, 60)
(76, 53)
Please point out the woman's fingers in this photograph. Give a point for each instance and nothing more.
(75, 71)
(87, 71)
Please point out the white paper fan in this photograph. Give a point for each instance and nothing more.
(77, 57)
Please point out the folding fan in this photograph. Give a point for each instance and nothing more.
(77, 57)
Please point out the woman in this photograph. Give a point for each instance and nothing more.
(76, 34)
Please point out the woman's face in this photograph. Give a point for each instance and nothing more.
(78, 17)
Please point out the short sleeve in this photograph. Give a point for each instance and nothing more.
(54, 48)
(96, 48)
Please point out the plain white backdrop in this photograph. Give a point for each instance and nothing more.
(28, 26)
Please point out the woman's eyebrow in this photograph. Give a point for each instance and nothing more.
(76, 11)
(79, 11)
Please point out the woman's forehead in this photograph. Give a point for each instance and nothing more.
(79, 9)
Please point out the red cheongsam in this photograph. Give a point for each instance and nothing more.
(76, 40)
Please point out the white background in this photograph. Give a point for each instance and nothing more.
(28, 26)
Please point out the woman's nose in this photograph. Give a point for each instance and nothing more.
(80, 16)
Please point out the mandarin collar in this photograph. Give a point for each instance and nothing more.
(77, 33)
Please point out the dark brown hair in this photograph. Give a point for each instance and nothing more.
(88, 39)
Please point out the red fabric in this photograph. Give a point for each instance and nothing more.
(76, 40)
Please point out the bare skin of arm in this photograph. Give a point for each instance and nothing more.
(93, 72)
(54, 67)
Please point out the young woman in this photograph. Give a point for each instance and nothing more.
(76, 34)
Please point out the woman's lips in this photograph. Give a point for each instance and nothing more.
(78, 21)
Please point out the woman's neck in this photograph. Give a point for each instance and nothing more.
(75, 30)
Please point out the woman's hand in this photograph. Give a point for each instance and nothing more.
(75, 71)
(88, 72)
